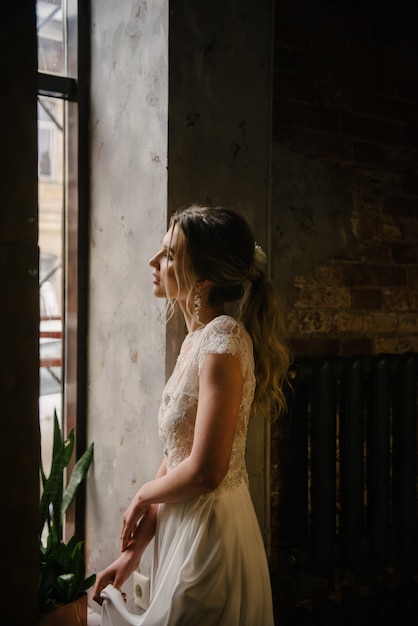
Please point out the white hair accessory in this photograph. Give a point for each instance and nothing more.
(259, 254)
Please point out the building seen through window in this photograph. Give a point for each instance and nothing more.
(54, 170)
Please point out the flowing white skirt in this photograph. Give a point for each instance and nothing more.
(210, 567)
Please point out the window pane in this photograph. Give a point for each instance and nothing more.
(59, 205)
(51, 138)
(51, 36)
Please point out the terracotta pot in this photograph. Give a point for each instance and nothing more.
(71, 614)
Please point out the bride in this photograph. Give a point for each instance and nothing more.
(209, 565)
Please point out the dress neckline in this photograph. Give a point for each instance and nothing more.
(197, 330)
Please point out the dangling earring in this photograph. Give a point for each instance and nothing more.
(197, 301)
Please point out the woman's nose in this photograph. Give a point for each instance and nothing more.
(153, 262)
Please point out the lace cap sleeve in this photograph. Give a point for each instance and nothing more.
(226, 335)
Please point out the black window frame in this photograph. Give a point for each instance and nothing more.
(76, 92)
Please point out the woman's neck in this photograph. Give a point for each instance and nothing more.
(206, 314)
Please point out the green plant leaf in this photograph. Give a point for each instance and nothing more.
(89, 582)
(78, 474)
(65, 584)
(53, 486)
(57, 440)
(61, 565)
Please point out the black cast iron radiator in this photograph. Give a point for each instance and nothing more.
(353, 438)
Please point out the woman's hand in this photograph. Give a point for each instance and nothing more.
(116, 574)
(119, 571)
(131, 519)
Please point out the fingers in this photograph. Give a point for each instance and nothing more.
(123, 539)
(96, 593)
(123, 535)
(126, 535)
(99, 599)
(129, 526)
(115, 574)
(103, 579)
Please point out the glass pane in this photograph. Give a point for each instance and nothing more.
(51, 36)
(51, 138)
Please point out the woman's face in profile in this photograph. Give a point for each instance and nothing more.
(164, 278)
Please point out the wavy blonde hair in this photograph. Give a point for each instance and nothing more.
(216, 244)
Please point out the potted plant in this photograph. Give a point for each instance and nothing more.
(62, 580)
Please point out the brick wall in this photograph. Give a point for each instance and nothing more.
(345, 186)
(346, 101)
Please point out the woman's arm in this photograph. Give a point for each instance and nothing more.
(220, 394)
(120, 570)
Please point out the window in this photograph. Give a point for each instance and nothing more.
(62, 27)
(50, 139)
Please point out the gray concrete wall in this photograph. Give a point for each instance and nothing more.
(126, 352)
(218, 117)
(220, 135)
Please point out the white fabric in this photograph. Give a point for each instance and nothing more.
(210, 567)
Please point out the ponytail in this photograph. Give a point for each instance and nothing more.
(262, 316)
(217, 244)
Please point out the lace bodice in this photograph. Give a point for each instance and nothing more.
(223, 335)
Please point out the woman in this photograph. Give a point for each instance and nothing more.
(209, 563)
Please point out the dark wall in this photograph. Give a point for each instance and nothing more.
(345, 174)
(219, 134)
(345, 188)
(19, 316)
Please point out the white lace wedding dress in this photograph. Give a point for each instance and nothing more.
(210, 567)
